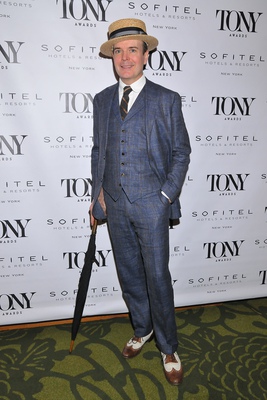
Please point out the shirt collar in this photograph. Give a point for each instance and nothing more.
(137, 86)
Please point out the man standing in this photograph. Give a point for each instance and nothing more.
(140, 158)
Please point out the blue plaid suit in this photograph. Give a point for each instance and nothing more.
(138, 219)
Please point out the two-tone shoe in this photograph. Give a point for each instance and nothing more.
(172, 368)
(134, 346)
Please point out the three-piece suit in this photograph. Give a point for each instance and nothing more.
(133, 161)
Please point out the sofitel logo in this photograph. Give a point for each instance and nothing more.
(13, 146)
(238, 21)
(261, 243)
(10, 53)
(232, 106)
(83, 9)
(15, 228)
(162, 60)
(227, 214)
(76, 259)
(77, 102)
(77, 187)
(12, 302)
(222, 250)
(186, 12)
(227, 182)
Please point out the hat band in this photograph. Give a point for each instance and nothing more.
(126, 32)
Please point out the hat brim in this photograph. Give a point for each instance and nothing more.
(107, 48)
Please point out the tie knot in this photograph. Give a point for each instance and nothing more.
(127, 90)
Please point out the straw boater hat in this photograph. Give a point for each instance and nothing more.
(125, 29)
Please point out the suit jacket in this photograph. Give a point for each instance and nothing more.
(167, 140)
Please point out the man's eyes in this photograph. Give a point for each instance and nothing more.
(118, 51)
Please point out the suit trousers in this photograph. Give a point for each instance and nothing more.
(139, 234)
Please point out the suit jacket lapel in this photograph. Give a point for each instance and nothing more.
(150, 102)
(106, 110)
(138, 104)
(114, 103)
(148, 95)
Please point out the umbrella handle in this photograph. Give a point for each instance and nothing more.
(94, 227)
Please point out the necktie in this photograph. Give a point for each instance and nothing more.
(124, 101)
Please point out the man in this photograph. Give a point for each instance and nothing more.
(139, 161)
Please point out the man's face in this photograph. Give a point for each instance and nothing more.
(129, 60)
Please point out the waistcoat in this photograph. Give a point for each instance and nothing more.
(127, 163)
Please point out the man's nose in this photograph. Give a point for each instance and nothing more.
(125, 55)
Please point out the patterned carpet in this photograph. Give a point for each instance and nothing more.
(223, 350)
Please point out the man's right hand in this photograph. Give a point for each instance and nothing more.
(92, 218)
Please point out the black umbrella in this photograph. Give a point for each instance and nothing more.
(83, 285)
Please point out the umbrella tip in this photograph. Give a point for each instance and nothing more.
(71, 346)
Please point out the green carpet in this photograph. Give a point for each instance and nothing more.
(223, 350)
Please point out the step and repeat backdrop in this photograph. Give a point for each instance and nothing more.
(214, 55)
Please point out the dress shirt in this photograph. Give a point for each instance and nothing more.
(137, 86)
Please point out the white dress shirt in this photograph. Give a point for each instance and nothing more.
(137, 86)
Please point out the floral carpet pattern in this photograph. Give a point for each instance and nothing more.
(223, 349)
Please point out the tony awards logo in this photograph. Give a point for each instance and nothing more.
(77, 188)
(9, 51)
(13, 229)
(163, 62)
(77, 103)
(223, 251)
(238, 23)
(11, 145)
(227, 184)
(232, 107)
(84, 10)
(15, 301)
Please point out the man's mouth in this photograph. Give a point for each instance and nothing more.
(126, 66)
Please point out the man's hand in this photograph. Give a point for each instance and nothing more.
(102, 203)
(92, 218)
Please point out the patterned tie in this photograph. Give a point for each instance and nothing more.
(124, 101)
